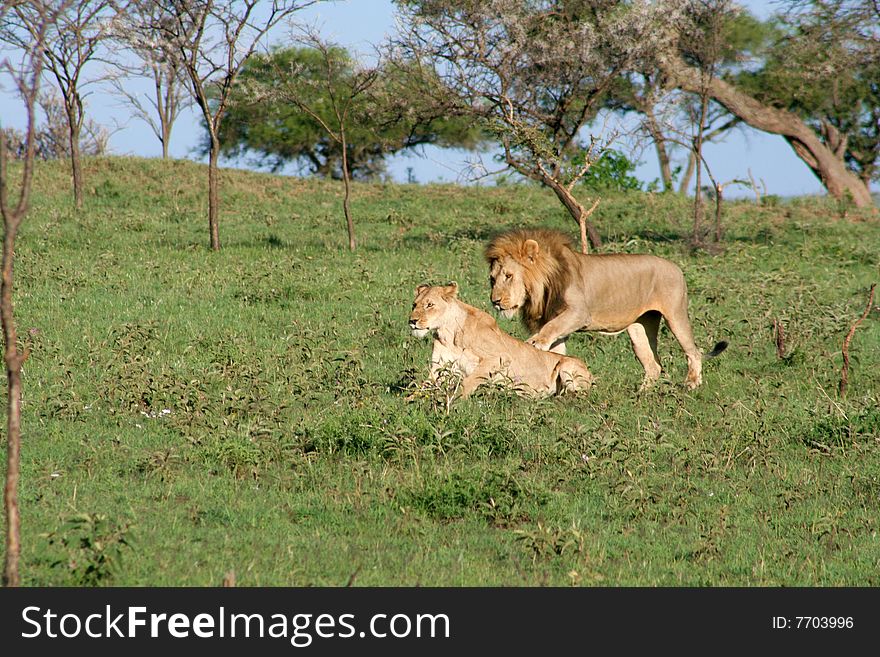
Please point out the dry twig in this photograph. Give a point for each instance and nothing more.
(780, 338)
(844, 372)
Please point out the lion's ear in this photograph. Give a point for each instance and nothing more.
(531, 249)
(451, 290)
(421, 288)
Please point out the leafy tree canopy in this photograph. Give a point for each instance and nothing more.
(276, 133)
(822, 62)
(613, 171)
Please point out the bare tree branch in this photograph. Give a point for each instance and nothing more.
(534, 73)
(342, 83)
(844, 372)
(213, 39)
(72, 41)
(138, 30)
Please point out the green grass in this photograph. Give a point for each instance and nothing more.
(188, 413)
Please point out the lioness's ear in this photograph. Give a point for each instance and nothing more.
(531, 248)
(421, 288)
(451, 290)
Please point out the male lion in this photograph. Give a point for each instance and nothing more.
(470, 341)
(559, 291)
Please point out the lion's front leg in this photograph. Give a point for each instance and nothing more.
(445, 358)
(556, 346)
(481, 373)
(445, 361)
(553, 334)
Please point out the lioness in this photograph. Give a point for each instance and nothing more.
(470, 341)
(559, 291)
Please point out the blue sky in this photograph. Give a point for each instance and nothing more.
(357, 24)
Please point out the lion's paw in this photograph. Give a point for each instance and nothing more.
(537, 343)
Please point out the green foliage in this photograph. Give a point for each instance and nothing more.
(93, 548)
(276, 132)
(612, 172)
(811, 63)
(251, 411)
(744, 37)
(545, 542)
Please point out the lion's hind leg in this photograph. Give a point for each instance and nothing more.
(643, 333)
(681, 329)
(571, 375)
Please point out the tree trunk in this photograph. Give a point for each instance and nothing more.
(28, 82)
(162, 109)
(346, 205)
(697, 237)
(688, 173)
(11, 221)
(828, 167)
(166, 135)
(76, 166)
(13, 415)
(665, 168)
(660, 145)
(575, 209)
(165, 128)
(214, 194)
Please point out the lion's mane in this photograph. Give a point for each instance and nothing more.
(546, 278)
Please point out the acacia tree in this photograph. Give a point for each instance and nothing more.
(214, 39)
(26, 77)
(669, 119)
(72, 41)
(536, 73)
(331, 98)
(702, 42)
(271, 131)
(824, 65)
(138, 30)
(821, 152)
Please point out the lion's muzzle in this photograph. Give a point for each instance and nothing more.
(416, 330)
(507, 311)
(500, 307)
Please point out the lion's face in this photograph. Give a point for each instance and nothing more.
(430, 307)
(508, 288)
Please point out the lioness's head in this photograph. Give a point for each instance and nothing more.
(507, 278)
(431, 304)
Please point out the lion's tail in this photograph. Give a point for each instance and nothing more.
(719, 348)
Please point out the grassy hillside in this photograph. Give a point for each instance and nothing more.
(188, 413)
